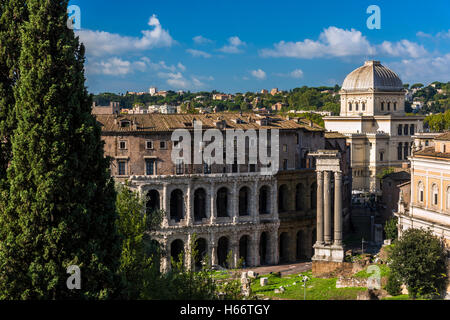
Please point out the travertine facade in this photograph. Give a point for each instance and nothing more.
(262, 219)
(373, 119)
(429, 206)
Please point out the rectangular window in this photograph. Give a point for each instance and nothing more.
(411, 129)
(162, 145)
(179, 166)
(122, 145)
(285, 148)
(150, 167)
(149, 144)
(122, 168)
(285, 164)
(252, 168)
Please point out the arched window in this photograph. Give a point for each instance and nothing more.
(389, 106)
(382, 106)
(447, 196)
(264, 200)
(420, 190)
(349, 106)
(405, 129)
(395, 106)
(244, 198)
(400, 130)
(356, 106)
(282, 198)
(363, 106)
(411, 129)
(313, 195)
(199, 204)
(176, 205)
(435, 192)
(222, 202)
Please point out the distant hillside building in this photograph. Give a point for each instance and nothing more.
(113, 108)
(152, 91)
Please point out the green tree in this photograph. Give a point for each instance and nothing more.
(139, 255)
(391, 228)
(419, 260)
(12, 14)
(61, 205)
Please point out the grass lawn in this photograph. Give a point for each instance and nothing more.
(384, 272)
(400, 297)
(316, 288)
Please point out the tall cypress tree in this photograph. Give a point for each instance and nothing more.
(60, 210)
(12, 15)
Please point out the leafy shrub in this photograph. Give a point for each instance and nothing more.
(393, 285)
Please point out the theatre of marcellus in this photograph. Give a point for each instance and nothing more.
(236, 212)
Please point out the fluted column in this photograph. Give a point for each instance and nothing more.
(327, 207)
(165, 207)
(212, 207)
(338, 208)
(190, 205)
(319, 207)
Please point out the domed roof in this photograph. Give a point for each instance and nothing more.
(372, 75)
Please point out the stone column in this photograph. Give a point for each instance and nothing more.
(338, 208)
(327, 207)
(165, 207)
(212, 208)
(165, 259)
(254, 249)
(213, 253)
(235, 202)
(319, 207)
(235, 250)
(188, 261)
(190, 205)
(273, 247)
(254, 202)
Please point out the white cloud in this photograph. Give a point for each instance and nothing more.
(201, 40)
(332, 42)
(234, 45)
(258, 74)
(181, 66)
(297, 73)
(439, 35)
(116, 66)
(177, 80)
(336, 42)
(101, 43)
(425, 69)
(198, 53)
(403, 48)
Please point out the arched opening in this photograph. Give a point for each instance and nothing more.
(435, 194)
(244, 250)
(299, 190)
(176, 205)
(313, 195)
(420, 189)
(263, 244)
(282, 198)
(177, 250)
(152, 201)
(299, 241)
(222, 202)
(284, 247)
(244, 198)
(199, 204)
(264, 200)
(222, 252)
(202, 249)
(314, 236)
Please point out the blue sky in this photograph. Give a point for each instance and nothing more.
(238, 46)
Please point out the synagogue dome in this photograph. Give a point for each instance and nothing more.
(372, 76)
